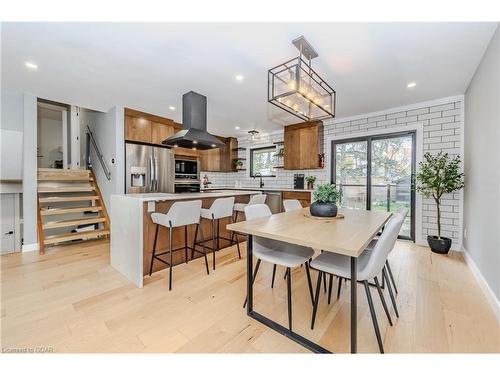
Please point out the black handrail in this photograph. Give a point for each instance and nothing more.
(91, 139)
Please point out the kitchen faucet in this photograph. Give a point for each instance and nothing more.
(261, 183)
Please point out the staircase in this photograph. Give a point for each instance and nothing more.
(70, 207)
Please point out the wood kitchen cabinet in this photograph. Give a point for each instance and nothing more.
(137, 129)
(159, 132)
(303, 144)
(220, 159)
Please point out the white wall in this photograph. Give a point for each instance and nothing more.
(482, 167)
(108, 132)
(439, 124)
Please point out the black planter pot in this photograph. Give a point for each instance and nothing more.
(439, 245)
(323, 209)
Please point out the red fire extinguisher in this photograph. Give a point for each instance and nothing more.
(321, 160)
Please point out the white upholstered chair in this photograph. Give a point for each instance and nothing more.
(240, 207)
(221, 208)
(180, 214)
(370, 265)
(291, 205)
(278, 252)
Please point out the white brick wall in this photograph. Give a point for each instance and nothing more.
(442, 127)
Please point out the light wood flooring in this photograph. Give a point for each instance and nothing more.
(72, 300)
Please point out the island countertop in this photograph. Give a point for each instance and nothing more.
(148, 197)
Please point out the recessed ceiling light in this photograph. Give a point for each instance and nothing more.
(31, 65)
(237, 127)
(239, 77)
(172, 108)
(411, 85)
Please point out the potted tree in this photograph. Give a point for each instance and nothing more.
(310, 182)
(438, 175)
(326, 198)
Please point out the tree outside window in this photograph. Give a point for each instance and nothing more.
(263, 160)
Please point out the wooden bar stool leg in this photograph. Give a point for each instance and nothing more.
(154, 250)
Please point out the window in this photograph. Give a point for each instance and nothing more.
(263, 161)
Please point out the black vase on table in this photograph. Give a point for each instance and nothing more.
(323, 209)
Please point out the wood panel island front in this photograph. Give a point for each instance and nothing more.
(133, 231)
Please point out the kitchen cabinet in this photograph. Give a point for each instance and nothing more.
(220, 159)
(159, 132)
(137, 129)
(304, 197)
(303, 144)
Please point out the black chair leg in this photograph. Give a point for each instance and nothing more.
(330, 285)
(286, 274)
(237, 241)
(316, 299)
(382, 299)
(309, 283)
(234, 221)
(203, 246)
(274, 274)
(195, 237)
(289, 290)
(154, 250)
(384, 274)
(171, 263)
(339, 287)
(253, 279)
(214, 242)
(391, 276)
(374, 316)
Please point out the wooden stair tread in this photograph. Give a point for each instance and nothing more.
(75, 236)
(64, 178)
(69, 199)
(69, 223)
(69, 210)
(62, 174)
(64, 189)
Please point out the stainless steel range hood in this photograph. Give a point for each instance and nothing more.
(194, 123)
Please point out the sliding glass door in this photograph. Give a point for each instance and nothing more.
(375, 173)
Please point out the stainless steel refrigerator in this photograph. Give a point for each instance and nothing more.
(149, 169)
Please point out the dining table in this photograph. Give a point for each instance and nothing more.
(347, 234)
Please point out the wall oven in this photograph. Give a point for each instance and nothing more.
(187, 187)
(187, 167)
(187, 175)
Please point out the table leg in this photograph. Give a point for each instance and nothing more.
(354, 304)
(249, 274)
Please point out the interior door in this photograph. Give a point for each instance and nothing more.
(7, 226)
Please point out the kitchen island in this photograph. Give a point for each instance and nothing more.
(132, 230)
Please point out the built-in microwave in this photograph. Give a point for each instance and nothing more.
(186, 167)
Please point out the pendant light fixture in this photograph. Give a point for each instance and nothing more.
(253, 133)
(296, 88)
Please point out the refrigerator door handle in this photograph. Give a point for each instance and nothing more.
(156, 172)
(151, 173)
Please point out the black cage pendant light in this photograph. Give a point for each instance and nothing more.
(295, 87)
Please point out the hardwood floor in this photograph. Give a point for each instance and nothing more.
(71, 300)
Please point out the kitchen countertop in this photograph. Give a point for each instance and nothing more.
(257, 189)
(148, 197)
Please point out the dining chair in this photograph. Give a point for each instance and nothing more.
(221, 208)
(240, 208)
(370, 265)
(291, 205)
(280, 253)
(180, 214)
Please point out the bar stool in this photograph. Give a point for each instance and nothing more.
(221, 208)
(180, 214)
(240, 207)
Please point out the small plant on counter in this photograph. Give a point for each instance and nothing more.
(439, 174)
(310, 182)
(238, 164)
(326, 198)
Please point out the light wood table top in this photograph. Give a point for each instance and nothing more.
(348, 236)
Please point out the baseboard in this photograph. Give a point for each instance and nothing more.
(490, 296)
(30, 247)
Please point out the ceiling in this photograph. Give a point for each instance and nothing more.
(149, 66)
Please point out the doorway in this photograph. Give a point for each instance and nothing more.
(52, 147)
(376, 173)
